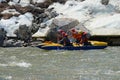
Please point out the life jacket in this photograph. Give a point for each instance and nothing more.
(77, 36)
(84, 38)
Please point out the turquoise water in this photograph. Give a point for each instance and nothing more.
(36, 64)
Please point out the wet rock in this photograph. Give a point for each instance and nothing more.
(105, 2)
(2, 36)
(60, 23)
(13, 43)
(18, 43)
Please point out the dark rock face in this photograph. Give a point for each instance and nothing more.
(44, 4)
(43, 17)
(2, 36)
(105, 2)
(82, 0)
(60, 1)
(3, 6)
(24, 33)
(6, 16)
(61, 23)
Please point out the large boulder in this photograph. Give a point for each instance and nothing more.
(60, 23)
(23, 33)
(81, 27)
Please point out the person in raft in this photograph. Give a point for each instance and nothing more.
(84, 38)
(75, 36)
(63, 38)
(80, 37)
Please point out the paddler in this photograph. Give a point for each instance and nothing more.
(63, 38)
(84, 38)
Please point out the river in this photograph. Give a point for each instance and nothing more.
(28, 63)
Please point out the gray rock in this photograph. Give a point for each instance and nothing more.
(18, 43)
(23, 33)
(60, 23)
(34, 28)
(105, 2)
(43, 17)
(13, 43)
(60, 1)
(81, 27)
(82, 0)
(9, 43)
(64, 23)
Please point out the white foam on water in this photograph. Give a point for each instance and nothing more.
(3, 65)
(20, 64)
(8, 77)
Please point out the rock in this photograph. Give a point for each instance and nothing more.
(105, 2)
(60, 23)
(45, 4)
(60, 1)
(34, 28)
(13, 43)
(6, 16)
(81, 27)
(23, 10)
(2, 36)
(3, 6)
(64, 23)
(37, 10)
(23, 33)
(9, 43)
(43, 17)
(82, 0)
(18, 43)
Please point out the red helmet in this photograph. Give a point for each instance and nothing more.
(64, 34)
(84, 33)
(60, 31)
(73, 30)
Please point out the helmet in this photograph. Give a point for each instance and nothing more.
(64, 34)
(80, 32)
(73, 30)
(84, 33)
(60, 31)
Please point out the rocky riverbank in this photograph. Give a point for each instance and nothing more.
(25, 19)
